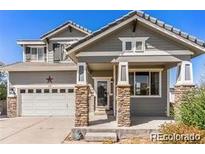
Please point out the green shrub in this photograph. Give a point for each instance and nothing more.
(3, 92)
(191, 110)
(182, 129)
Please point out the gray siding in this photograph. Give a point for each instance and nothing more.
(112, 43)
(73, 33)
(27, 78)
(151, 106)
(66, 33)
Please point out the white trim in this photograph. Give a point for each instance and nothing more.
(84, 73)
(145, 53)
(146, 69)
(133, 41)
(181, 78)
(119, 73)
(45, 86)
(168, 93)
(114, 90)
(24, 50)
(62, 28)
(8, 83)
(37, 42)
(160, 83)
(108, 80)
(65, 38)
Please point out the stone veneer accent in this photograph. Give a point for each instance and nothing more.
(181, 90)
(123, 106)
(81, 105)
(12, 107)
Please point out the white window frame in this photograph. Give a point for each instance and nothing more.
(133, 41)
(160, 83)
(37, 47)
(84, 73)
(119, 73)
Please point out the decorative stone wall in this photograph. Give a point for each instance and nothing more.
(123, 106)
(180, 91)
(12, 107)
(81, 105)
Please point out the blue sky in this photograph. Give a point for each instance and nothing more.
(16, 25)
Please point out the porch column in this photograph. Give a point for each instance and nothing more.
(184, 80)
(81, 97)
(123, 96)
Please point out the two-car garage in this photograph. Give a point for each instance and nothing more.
(47, 102)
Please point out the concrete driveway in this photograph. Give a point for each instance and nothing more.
(35, 130)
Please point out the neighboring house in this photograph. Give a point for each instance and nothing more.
(122, 68)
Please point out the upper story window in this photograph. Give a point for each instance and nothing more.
(35, 54)
(133, 44)
(58, 52)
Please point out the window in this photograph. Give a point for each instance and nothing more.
(128, 46)
(22, 91)
(133, 44)
(30, 90)
(46, 90)
(139, 46)
(154, 83)
(54, 90)
(81, 73)
(58, 52)
(38, 90)
(131, 80)
(144, 83)
(62, 90)
(35, 54)
(70, 90)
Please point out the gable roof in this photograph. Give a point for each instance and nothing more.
(156, 24)
(64, 26)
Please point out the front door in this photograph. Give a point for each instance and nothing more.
(102, 94)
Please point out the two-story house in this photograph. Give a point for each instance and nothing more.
(122, 69)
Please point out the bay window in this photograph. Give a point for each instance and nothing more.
(145, 83)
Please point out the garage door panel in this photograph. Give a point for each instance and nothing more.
(50, 104)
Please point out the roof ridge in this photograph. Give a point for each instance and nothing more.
(149, 18)
(67, 23)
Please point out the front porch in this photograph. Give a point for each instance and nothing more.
(130, 94)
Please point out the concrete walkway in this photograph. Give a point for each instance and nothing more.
(34, 130)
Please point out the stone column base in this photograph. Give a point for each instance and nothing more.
(123, 106)
(180, 91)
(81, 105)
(12, 107)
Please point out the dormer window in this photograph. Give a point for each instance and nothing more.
(133, 44)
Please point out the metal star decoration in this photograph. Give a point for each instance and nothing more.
(49, 79)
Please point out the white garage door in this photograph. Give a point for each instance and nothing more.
(47, 104)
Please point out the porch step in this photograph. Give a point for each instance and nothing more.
(100, 137)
